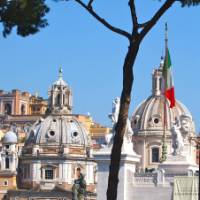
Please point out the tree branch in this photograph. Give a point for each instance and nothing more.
(103, 21)
(90, 4)
(142, 25)
(156, 17)
(133, 15)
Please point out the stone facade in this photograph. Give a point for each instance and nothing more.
(21, 103)
(55, 146)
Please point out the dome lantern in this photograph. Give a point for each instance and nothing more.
(157, 79)
(60, 96)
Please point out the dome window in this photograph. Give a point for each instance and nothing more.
(54, 120)
(75, 134)
(52, 133)
(156, 120)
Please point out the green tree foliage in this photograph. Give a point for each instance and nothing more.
(189, 2)
(27, 16)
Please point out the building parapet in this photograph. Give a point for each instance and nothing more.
(157, 178)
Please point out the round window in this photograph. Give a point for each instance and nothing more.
(156, 120)
(75, 134)
(52, 133)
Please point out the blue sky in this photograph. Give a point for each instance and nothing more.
(92, 56)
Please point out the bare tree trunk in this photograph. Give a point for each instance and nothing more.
(139, 31)
(120, 128)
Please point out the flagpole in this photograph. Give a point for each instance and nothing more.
(164, 146)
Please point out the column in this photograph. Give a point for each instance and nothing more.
(60, 172)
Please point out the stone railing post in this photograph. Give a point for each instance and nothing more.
(160, 176)
(190, 172)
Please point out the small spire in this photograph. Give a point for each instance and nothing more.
(166, 35)
(161, 61)
(60, 73)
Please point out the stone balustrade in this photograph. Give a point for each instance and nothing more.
(157, 178)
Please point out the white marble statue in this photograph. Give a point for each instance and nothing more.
(186, 122)
(129, 131)
(115, 110)
(177, 139)
(114, 118)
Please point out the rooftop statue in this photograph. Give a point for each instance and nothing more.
(177, 139)
(114, 118)
(115, 110)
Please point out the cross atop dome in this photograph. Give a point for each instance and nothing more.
(161, 62)
(60, 73)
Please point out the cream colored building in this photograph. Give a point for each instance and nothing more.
(8, 163)
(55, 147)
(148, 126)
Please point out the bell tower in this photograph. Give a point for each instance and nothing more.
(60, 96)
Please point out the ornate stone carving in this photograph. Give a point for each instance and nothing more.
(186, 123)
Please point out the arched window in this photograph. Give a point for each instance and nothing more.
(7, 163)
(155, 154)
(58, 100)
(8, 109)
(23, 109)
(161, 83)
(63, 99)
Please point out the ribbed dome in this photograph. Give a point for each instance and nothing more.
(60, 82)
(9, 138)
(148, 117)
(58, 130)
(150, 114)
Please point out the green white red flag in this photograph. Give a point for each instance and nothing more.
(168, 80)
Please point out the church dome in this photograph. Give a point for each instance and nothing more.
(60, 127)
(58, 130)
(148, 117)
(9, 138)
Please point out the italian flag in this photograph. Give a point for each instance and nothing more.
(168, 81)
